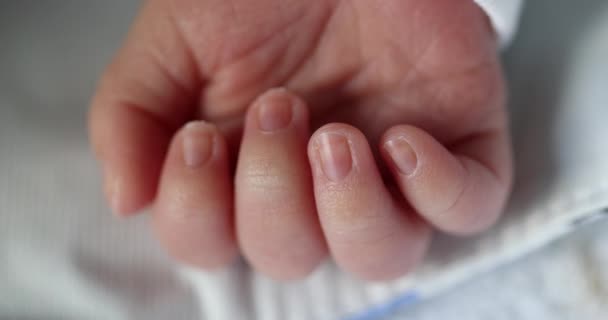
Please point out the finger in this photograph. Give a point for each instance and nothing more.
(461, 192)
(144, 96)
(277, 225)
(369, 234)
(192, 215)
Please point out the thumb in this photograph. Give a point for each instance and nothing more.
(462, 191)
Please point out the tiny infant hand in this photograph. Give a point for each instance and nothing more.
(391, 123)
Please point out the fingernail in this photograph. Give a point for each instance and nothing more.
(197, 144)
(336, 157)
(275, 111)
(403, 156)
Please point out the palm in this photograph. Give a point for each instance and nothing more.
(372, 64)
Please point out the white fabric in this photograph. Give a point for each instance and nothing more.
(504, 15)
(63, 256)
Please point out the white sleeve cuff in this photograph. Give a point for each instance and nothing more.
(504, 15)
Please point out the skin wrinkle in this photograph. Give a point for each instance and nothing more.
(160, 55)
(263, 175)
(184, 91)
(282, 54)
(395, 46)
(152, 49)
(233, 10)
(137, 89)
(487, 164)
(225, 83)
(440, 108)
(339, 81)
(229, 58)
(466, 184)
(352, 236)
(347, 224)
(181, 34)
(343, 211)
(315, 42)
(409, 75)
(188, 50)
(416, 75)
(167, 127)
(360, 46)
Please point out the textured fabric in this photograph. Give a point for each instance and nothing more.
(504, 15)
(63, 256)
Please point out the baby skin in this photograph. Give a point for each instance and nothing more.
(288, 131)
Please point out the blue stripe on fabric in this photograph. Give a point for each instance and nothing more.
(384, 310)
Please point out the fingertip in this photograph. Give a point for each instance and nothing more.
(369, 233)
(198, 143)
(276, 110)
(457, 193)
(193, 216)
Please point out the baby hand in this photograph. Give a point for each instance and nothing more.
(405, 99)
